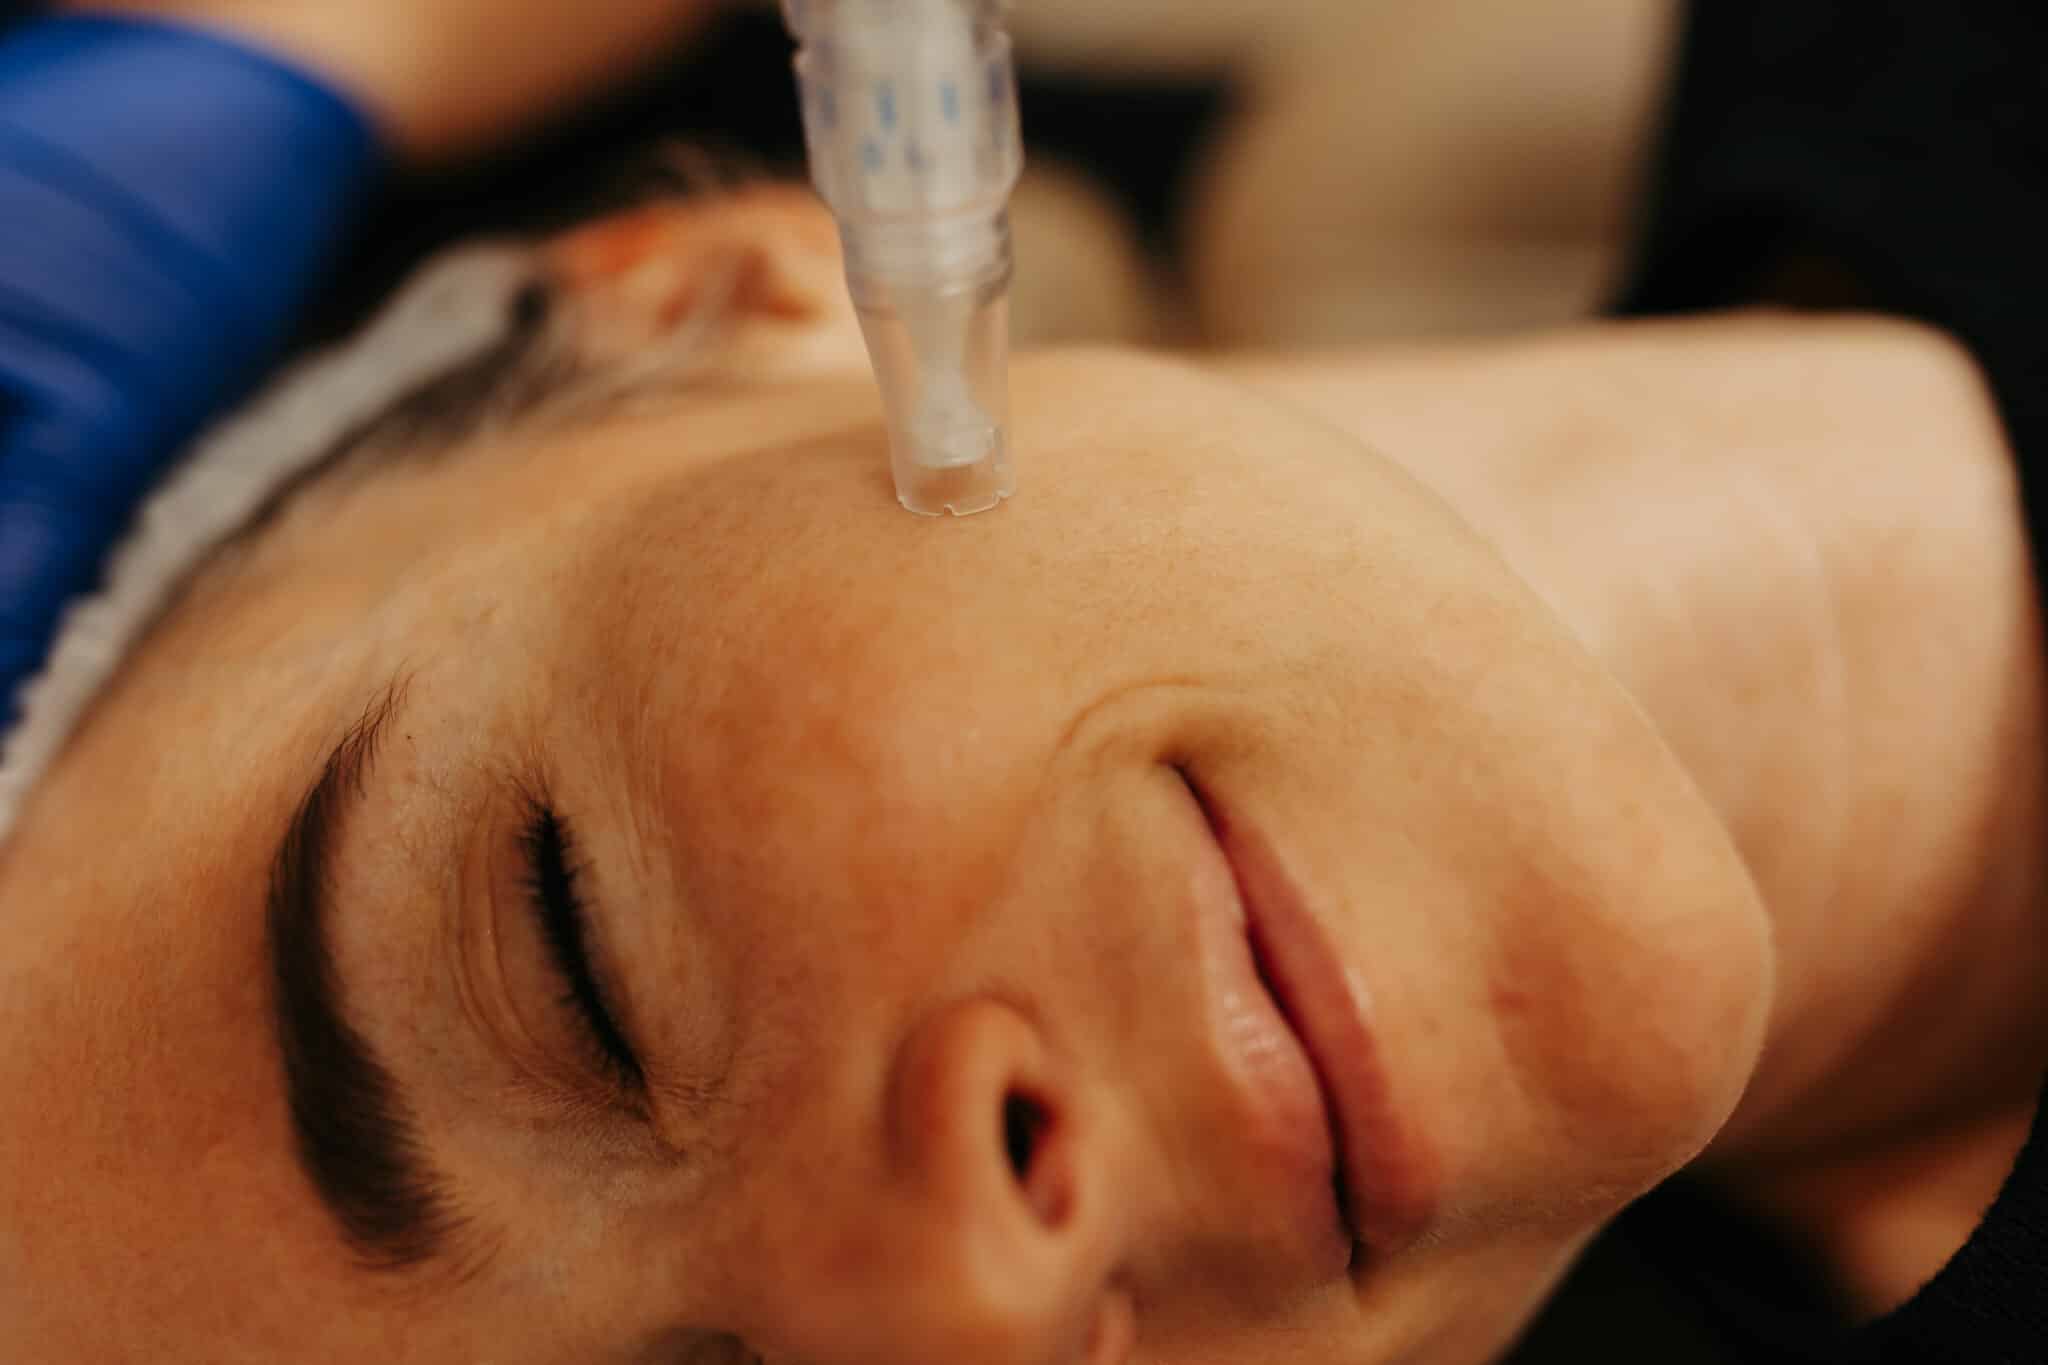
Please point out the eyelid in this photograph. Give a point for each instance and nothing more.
(562, 916)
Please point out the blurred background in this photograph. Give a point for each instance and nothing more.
(1209, 172)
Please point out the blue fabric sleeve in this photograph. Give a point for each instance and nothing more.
(168, 200)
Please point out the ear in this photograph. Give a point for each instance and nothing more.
(762, 253)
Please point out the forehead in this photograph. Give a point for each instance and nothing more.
(1150, 492)
(762, 553)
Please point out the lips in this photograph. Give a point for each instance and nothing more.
(1280, 1117)
(1386, 1178)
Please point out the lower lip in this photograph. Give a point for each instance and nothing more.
(1388, 1179)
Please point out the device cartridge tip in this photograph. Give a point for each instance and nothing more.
(910, 114)
(941, 359)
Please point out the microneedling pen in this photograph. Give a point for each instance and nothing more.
(910, 114)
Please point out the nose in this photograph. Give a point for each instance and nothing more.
(997, 1240)
(977, 1118)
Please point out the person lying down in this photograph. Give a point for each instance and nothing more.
(572, 872)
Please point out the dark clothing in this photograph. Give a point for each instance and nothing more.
(1708, 1286)
(1902, 142)
(1891, 154)
(1990, 1303)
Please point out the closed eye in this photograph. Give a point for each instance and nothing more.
(564, 920)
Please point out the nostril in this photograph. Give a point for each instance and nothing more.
(1024, 1124)
(1027, 1137)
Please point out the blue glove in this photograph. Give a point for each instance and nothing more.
(167, 201)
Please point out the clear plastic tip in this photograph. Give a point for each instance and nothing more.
(942, 362)
(910, 116)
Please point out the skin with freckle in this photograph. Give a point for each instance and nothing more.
(883, 822)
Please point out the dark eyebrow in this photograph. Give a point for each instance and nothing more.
(356, 1138)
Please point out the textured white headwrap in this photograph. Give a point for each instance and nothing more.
(456, 306)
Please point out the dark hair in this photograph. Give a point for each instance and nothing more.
(535, 366)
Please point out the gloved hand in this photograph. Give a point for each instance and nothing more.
(173, 183)
(166, 200)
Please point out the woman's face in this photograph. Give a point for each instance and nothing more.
(1204, 911)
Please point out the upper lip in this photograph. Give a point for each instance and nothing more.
(1386, 1177)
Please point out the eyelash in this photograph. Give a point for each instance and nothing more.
(551, 883)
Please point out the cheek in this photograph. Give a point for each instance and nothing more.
(1629, 1005)
(1581, 1027)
